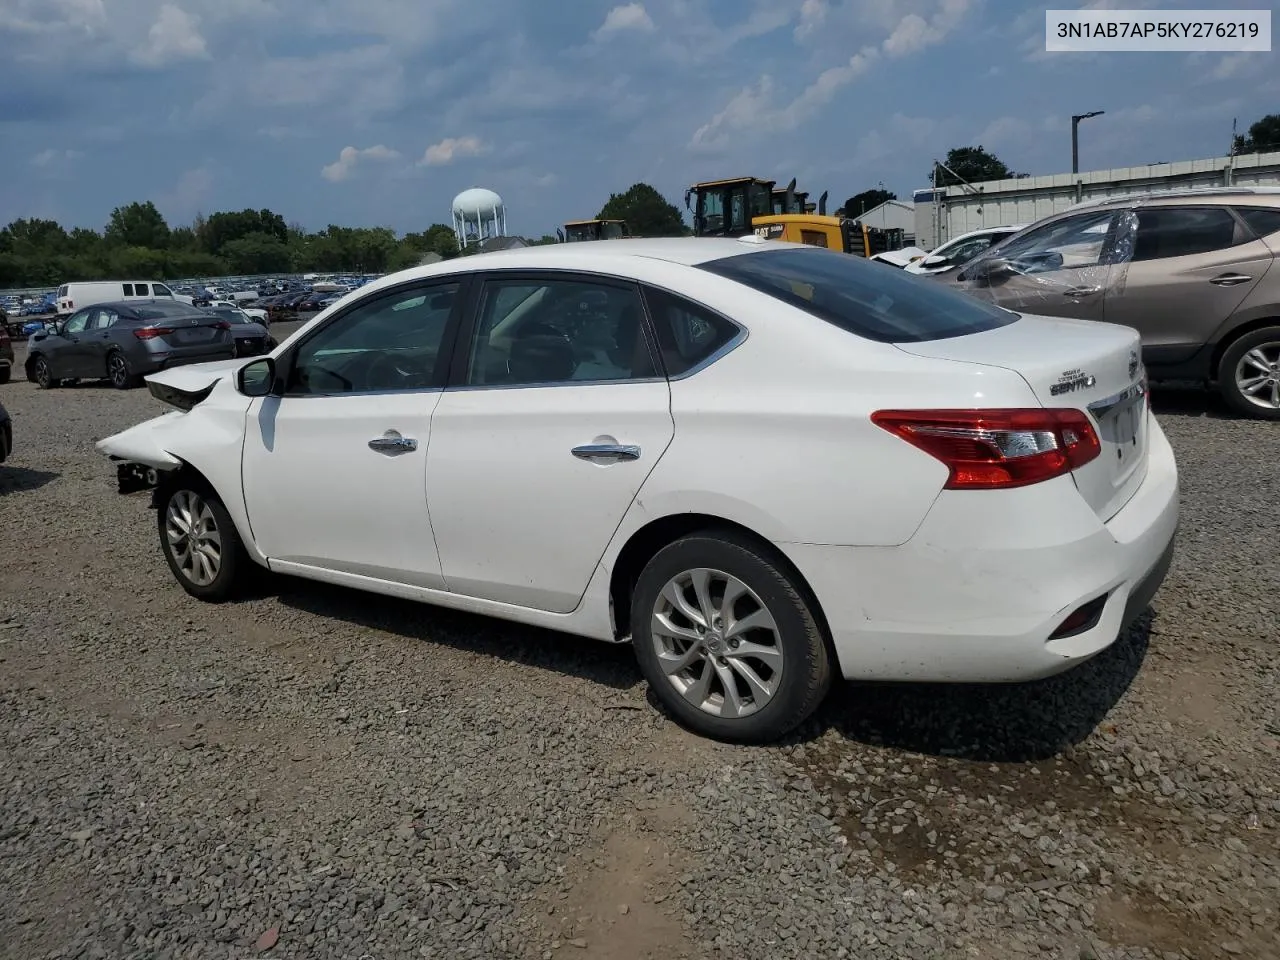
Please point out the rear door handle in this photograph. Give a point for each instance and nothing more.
(1081, 291)
(1230, 279)
(608, 452)
(392, 442)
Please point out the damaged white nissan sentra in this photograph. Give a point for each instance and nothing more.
(760, 463)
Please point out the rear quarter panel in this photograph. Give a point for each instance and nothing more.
(776, 434)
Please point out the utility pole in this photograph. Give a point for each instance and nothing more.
(1075, 136)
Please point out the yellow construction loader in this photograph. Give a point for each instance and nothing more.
(742, 205)
(578, 230)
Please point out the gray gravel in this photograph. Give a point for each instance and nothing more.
(318, 773)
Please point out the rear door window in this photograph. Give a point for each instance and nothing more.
(1165, 232)
(860, 296)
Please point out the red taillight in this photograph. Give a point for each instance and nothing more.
(223, 325)
(991, 449)
(150, 333)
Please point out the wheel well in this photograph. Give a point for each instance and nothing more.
(169, 479)
(652, 537)
(1241, 331)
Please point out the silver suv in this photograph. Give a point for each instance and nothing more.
(1194, 272)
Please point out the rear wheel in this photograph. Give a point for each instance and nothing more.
(1249, 376)
(727, 641)
(118, 371)
(200, 542)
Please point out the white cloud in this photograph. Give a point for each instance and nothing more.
(631, 16)
(50, 158)
(174, 37)
(450, 149)
(813, 13)
(913, 32)
(350, 157)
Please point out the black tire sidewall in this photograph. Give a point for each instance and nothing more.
(806, 666)
(124, 383)
(225, 585)
(1227, 374)
(48, 383)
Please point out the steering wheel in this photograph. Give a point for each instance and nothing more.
(383, 372)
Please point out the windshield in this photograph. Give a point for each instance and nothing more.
(579, 232)
(860, 296)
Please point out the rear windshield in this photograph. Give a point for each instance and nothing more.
(862, 297)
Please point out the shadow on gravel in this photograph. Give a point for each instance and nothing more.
(609, 665)
(1190, 401)
(23, 479)
(1012, 723)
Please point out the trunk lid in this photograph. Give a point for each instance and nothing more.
(192, 334)
(1080, 364)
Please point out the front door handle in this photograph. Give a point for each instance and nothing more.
(392, 442)
(1081, 291)
(608, 452)
(1230, 279)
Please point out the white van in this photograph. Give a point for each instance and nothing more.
(73, 296)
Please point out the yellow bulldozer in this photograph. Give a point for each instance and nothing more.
(742, 205)
(578, 230)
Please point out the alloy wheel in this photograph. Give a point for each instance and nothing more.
(193, 537)
(717, 643)
(1258, 376)
(117, 370)
(42, 373)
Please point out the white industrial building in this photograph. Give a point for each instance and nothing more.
(891, 215)
(947, 212)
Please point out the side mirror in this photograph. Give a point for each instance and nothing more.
(256, 379)
(940, 260)
(988, 270)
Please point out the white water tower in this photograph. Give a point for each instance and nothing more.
(478, 215)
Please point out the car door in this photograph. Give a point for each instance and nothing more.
(335, 459)
(1060, 269)
(66, 351)
(555, 415)
(1190, 268)
(97, 340)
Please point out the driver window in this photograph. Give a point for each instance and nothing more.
(532, 332)
(388, 343)
(77, 323)
(1066, 244)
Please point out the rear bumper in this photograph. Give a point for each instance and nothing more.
(978, 593)
(155, 362)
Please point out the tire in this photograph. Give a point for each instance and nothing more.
(41, 375)
(220, 575)
(118, 371)
(5, 373)
(1244, 360)
(805, 666)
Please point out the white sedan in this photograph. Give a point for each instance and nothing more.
(762, 464)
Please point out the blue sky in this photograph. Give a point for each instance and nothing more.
(377, 112)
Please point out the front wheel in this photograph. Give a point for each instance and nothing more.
(727, 641)
(41, 375)
(200, 542)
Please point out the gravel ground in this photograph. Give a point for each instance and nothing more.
(318, 773)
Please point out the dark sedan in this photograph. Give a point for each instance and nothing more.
(251, 337)
(6, 434)
(124, 341)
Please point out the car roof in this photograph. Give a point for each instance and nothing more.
(1249, 196)
(605, 256)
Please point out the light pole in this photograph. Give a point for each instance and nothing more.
(1075, 136)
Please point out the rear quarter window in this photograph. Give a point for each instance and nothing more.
(1263, 221)
(861, 297)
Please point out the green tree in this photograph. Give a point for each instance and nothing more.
(646, 211)
(973, 165)
(437, 238)
(221, 228)
(257, 253)
(137, 225)
(1263, 136)
(860, 203)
